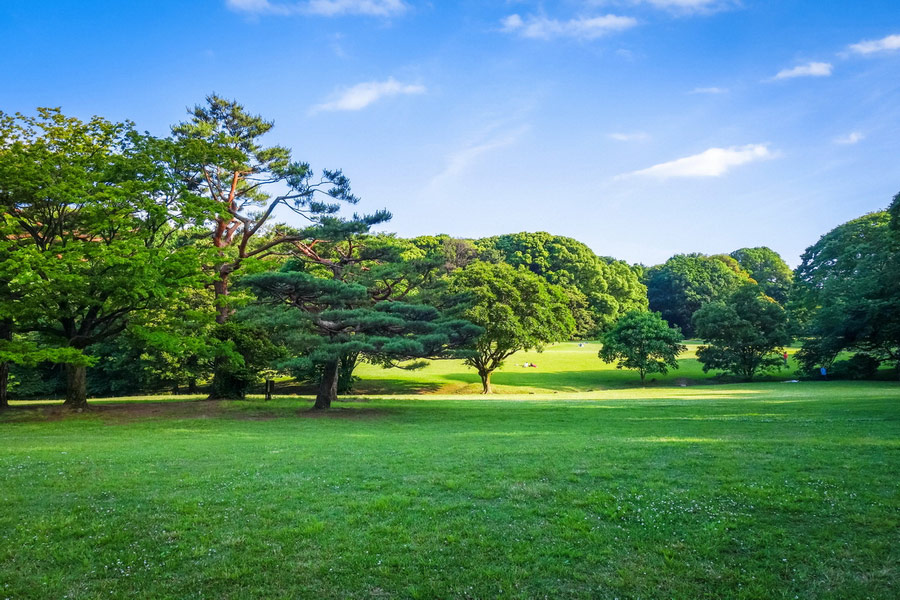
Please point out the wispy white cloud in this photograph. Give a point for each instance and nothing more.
(709, 90)
(813, 69)
(885, 44)
(683, 7)
(714, 162)
(588, 28)
(691, 6)
(327, 8)
(637, 136)
(849, 139)
(460, 160)
(362, 95)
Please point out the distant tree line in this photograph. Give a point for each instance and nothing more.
(135, 263)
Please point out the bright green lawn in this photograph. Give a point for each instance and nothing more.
(769, 490)
(565, 367)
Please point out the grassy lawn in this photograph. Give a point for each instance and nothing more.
(770, 490)
(565, 367)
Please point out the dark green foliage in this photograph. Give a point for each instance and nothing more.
(642, 341)
(517, 309)
(858, 366)
(685, 282)
(600, 289)
(849, 285)
(745, 333)
(326, 320)
(243, 352)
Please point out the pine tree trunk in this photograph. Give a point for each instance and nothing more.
(5, 335)
(220, 287)
(486, 382)
(76, 386)
(4, 383)
(222, 387)
(328, 386)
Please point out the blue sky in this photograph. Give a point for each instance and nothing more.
(643, 128)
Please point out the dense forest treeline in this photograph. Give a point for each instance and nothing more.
(133, 263)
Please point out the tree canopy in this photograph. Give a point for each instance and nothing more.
(609, 288)
(642, 341)
(768, 269)
(745, 333)
(92, 209)
(849, 283)
(517, 309)
(680, 286)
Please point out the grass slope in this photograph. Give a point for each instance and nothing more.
(764, 491)
(564, 367)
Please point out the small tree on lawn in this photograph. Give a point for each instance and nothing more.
(746, 334)
(643, 341)
(517, 309)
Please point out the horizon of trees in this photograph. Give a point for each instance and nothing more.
(118, 248)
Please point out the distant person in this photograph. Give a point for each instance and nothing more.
(785, 358)
(824, 372)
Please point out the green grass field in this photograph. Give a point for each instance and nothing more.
(764, 490)
(566, 367)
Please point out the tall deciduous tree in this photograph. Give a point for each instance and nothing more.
(517, 309)
(94, 206)
(680, 286)
(605, 287)
(745, 333)
(642, 341)
(768, 269)
(849, 284)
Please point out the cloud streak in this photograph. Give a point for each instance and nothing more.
(459, 161)
(325, 8)
(885, 44)
(709, 90)
(849, 139)
(812, 69)
(586, 28)
(688, 6)
(362, 95)
(714, 162)
(637, 136)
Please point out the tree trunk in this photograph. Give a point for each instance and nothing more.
(5, 335)
(328, 386)
(486, 382)
(270, 388)
(4, 382)
(76, 386)
(220, 287)
(643, 377)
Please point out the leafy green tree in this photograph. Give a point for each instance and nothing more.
(849, 284)
(746, 333)
(680, 286)
(93, 206)
(518, 310)
(324, 319)
(642, 341)
(603, 289)
(768, 269)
